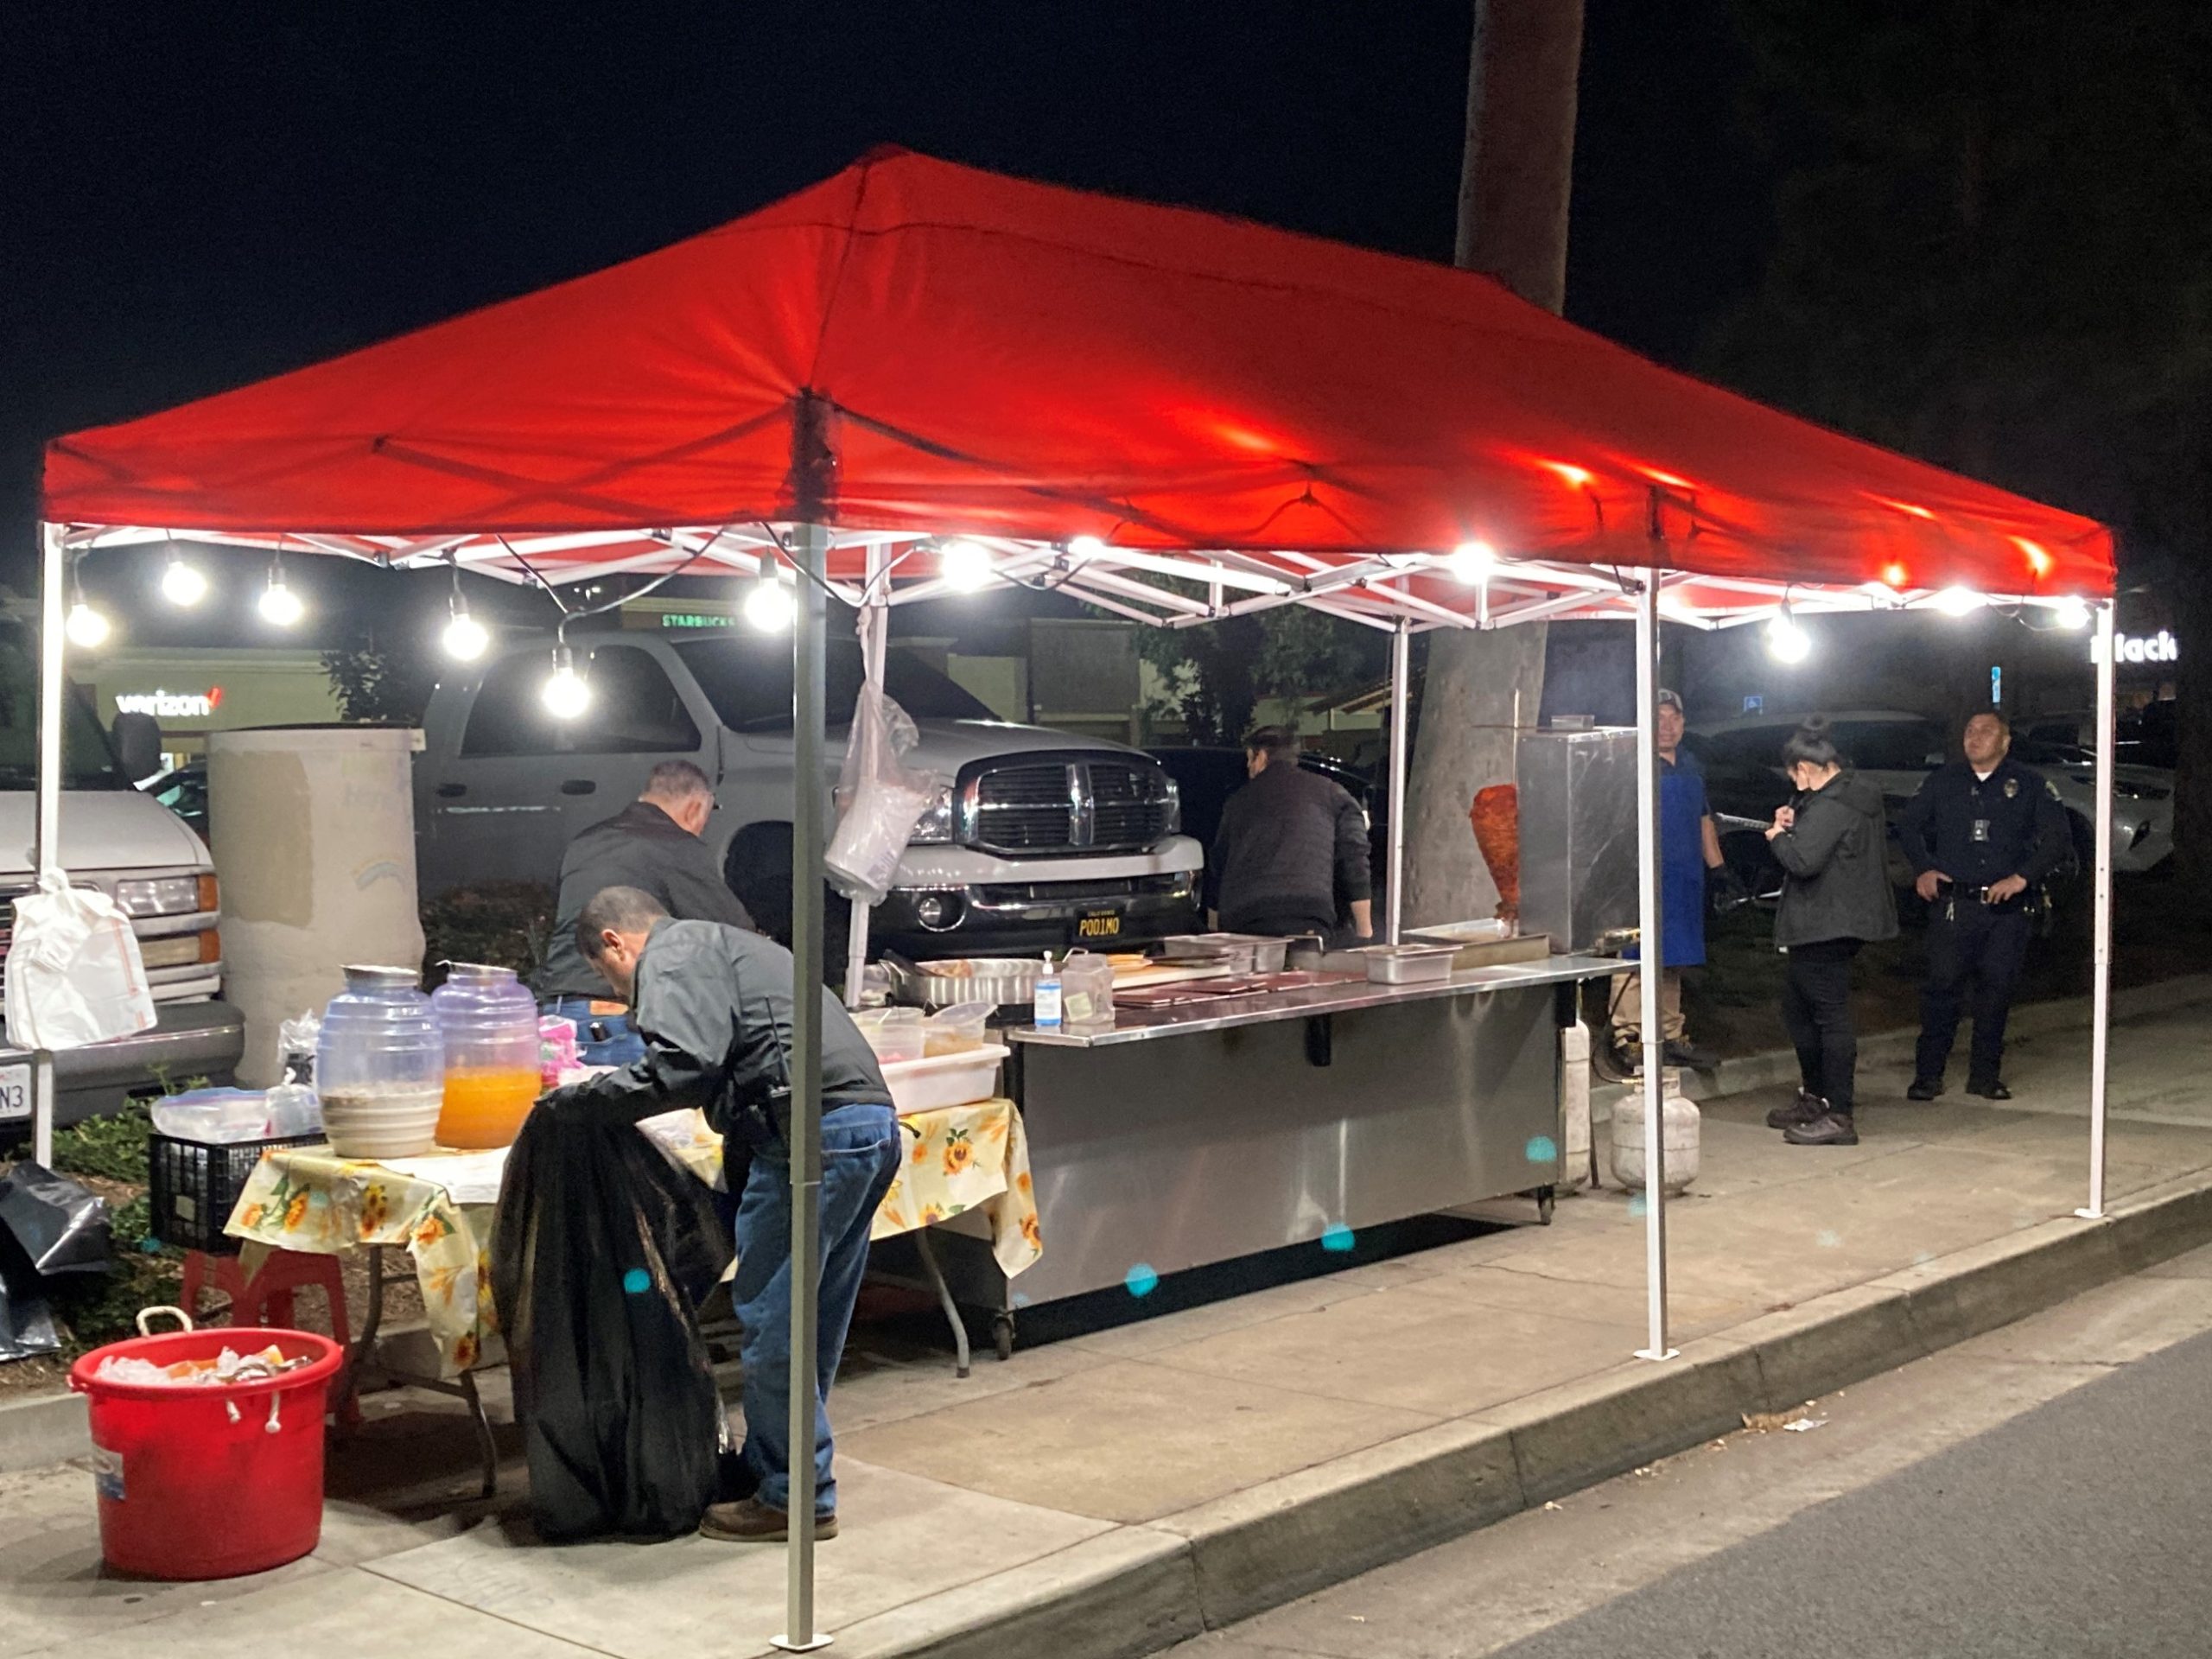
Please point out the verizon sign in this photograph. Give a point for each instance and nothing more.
(171, 705)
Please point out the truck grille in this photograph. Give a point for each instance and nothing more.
(1080, 802)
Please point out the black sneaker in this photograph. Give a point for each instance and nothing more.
(1622, 1062)
(1924, 1089)
(1803, 1110)
(1830, 1129)
(1687, 1054)
(1991, 1089)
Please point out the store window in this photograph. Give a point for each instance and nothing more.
(634, 708)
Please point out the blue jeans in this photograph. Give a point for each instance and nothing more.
(620, 1047)
(860, 1157)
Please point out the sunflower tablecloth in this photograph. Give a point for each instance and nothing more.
(958, 1160)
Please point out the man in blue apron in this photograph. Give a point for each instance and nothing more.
(1690, 846)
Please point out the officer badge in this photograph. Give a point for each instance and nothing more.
(2012, 787)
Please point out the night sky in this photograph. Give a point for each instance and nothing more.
(196, 196)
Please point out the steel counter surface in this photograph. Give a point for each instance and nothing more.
(1187, 1136)
(1140, 1024)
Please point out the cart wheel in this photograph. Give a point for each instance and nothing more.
(1547, 1200)
(1003, 1335)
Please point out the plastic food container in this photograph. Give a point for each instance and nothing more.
(1086, 991)
(380, 1065)
(946, 1080)
(956, 1030)
(488, 1019)
(893, 1034)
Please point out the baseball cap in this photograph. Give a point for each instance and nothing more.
(1671, 700)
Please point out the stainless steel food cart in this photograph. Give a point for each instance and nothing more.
(1189, 1136)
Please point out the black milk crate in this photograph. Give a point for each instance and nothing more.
(194, 1187)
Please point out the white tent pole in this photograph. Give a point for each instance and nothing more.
(1651, 955)
(1401, 654)
(2101, 970)
(46, 856)
(810, 551)
(874, 620)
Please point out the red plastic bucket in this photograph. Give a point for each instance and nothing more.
(209, 1482)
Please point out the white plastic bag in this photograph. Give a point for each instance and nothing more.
(74, 975)
(880, 799)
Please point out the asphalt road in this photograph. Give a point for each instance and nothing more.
(2045, 1491)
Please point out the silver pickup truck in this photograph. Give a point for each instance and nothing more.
(141, 855)
(1039, 840)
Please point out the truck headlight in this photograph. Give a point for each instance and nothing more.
(934, 827)
(164, 895)
(1172, 820)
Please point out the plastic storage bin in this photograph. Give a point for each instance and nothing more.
(1086, 991)
(380, 1065)
(893, 1034)
(947, 1080)
(488, 1019)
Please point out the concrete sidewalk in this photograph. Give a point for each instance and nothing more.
(1107, 1493)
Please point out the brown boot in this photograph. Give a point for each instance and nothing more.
(748, 1521)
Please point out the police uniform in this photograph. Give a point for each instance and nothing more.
(1978, 831)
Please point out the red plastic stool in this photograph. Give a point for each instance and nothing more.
(265, 1300)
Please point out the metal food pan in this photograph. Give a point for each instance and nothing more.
(1407, 964)
(1245, 953)
(1000, 980)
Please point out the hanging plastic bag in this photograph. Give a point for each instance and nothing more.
(880, 799)
(73, 973)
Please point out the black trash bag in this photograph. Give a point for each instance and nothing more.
(600, 1255)
(60, 1224)
(26, 1322)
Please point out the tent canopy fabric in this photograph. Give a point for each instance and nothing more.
(1018, 360)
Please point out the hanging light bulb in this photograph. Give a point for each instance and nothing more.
(1084, 547)
(770, 604)
(566, 694)
(965, 566)
(464, 637)
(1786, 642)
(1472, 562)
(2072, 613)
(279, 604)
(84, 626)
(1959, 601)
(181, 583)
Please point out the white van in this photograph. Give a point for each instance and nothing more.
(140, 855)
(1039, 840)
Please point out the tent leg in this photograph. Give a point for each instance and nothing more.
(47, 859)
(1394, 870)
(1651, 958)
(875, 619)
(2101, 981)
(810, 553)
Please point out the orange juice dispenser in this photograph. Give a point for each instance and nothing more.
(490, 1021)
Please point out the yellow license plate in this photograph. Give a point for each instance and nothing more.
(1107, 927)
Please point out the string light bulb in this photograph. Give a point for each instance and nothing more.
(1786, 641)
(2071, 612)
(1472, 562)
(1959, 601)
(182, 584)
(279, 605)
(1084, 547)
(770, 604)
(965, 567)
(83, 626)
(566, 695)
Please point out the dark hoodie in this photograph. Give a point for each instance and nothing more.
(1839, 885)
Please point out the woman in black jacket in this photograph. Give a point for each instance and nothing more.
(1835, 896)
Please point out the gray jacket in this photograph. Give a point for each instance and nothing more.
(639, 846)
(1838, 886)
(714, 1005)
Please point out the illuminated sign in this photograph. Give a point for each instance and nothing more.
(2134, 648)
(171, 705)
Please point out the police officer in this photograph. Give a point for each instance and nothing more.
(1983, 833)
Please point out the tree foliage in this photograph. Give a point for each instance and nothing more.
(375, 684)
(1217, 673)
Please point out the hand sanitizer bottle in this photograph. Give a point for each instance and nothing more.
(1048, 996)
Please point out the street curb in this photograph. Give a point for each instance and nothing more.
(1126, 1594)
(1777, 1067)
(45, 1429)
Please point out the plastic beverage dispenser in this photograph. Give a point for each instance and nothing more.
(380, 1065)
(490, 1021)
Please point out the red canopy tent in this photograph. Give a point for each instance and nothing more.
(1107, 394)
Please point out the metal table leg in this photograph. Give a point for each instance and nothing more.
(361, 1357)
(944, 1299)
